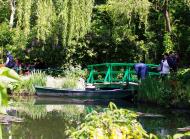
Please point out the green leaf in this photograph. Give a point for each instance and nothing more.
(4, 71)
(187, 134)
(178, 136)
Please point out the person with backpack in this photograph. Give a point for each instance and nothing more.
(172, 61)
(164, 66)
(10, 63)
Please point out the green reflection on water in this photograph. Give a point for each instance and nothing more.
(51, 121)
(42, 121)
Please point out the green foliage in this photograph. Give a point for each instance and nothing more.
(155, 91)
(168, 43)
(10, 76)
(6, 38)
(179, 135)
(111, 123)
(27, 86)
(158, 91)
(125, 17)
(184, 76)
(4, 10)
(69, 83)
(76, 72)
(82, 32)
(23, 15)
(46, 18)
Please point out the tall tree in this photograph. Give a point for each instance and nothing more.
(13, 11)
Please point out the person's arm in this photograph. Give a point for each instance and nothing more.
(7, 61)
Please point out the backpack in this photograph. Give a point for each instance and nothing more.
(172, 62)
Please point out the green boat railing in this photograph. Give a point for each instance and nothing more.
(115, 73)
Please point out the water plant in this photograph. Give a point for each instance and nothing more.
(158, 91)
(27, 85)
(114, 123)
(69, 83)
(111, 123)
(6, 77)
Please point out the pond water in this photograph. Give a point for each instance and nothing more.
(49, 118)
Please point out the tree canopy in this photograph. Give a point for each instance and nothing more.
(80, 32)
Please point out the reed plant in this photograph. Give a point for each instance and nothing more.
(27, 85)
(155, 91)
(69, 83)
(166, 92)
(64, 82)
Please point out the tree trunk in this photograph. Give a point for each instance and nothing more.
(13, 10)
(167, 17)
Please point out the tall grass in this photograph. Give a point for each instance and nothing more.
(66, 82)
(152, 90)
(70, 83)
(164, 92)
(27, 85)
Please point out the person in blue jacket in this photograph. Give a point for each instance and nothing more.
(10, 63)
(141, 70)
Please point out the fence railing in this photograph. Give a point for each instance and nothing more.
(116, 72)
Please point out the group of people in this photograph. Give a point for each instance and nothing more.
(168, 64)
(15, 64)
(19, 66)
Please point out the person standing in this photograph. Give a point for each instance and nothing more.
(10, 63)
(172, 61)
(165, 68)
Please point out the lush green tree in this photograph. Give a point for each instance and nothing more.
(65, 32)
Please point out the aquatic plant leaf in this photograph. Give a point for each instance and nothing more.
(4, 71)
(3, 95)
(187, 134)
(112, 106)
(178, 136)
(152, 136)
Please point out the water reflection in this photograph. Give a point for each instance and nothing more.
(49, 118)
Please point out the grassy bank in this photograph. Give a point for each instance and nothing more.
(172, 91)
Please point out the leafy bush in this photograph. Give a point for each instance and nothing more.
(184, 76)
(111, 123)
(75, 72)
(114, 123)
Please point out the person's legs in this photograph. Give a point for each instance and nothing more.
(164, 76)
(143, 72)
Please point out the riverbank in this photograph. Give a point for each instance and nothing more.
(173, 91)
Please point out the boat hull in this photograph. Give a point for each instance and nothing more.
(95, 94)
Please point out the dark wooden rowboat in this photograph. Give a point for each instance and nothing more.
(95, 94)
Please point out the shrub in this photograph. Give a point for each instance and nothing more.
(114, 123)
(111, 123)
(75, 72)
(184, 76)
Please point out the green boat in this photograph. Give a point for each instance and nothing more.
(95, 94)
